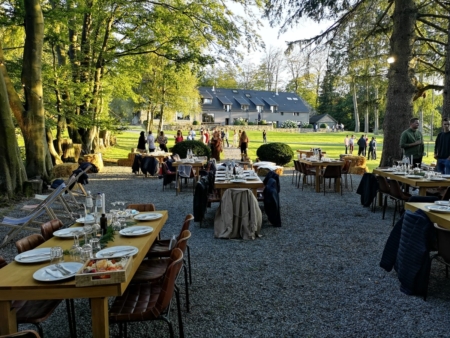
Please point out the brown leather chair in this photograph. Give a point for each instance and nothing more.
(29, 242)
(346, 172)
(149, 301)
(305, 172)
(22, 334)
(385, 190)
(48, 228)
(154, 269)
(168, 176)
(296, 172)
(32, 311)
(331, 172)
(160, 248)
(142, 207)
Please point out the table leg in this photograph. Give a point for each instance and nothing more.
(318, 171)
(100, 320)
(8, 323)
(337, 185)
(176, 183)
(422, 191)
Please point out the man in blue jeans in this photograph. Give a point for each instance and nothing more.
(442, 148)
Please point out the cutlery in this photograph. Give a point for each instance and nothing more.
(136, 231)
(111, 253)
(51, 273)
(63, 270)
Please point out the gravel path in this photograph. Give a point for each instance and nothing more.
(316, 276)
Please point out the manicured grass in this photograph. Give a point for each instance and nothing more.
(332, 143)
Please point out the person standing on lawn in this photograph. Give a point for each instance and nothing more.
(442, 149)
(411, 141)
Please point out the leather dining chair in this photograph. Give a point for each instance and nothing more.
(399, 197)
(48, 228)
(29, 242)
(33, 311)
(149, 301)
(332, 172)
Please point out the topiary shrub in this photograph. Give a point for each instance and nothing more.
(195, 123)
(198, 148)
(277, 152)
(309, 126)
(323, 125)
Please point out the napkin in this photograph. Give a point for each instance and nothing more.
(55, 273)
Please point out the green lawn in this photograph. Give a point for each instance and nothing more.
(332, 143)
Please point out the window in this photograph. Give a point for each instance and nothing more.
(235, 91)
(282, 113)
(207, 101)
(227, 107)
(289, 98)
(294, 98)
(259, 109)
(244, 107)
(248, 95)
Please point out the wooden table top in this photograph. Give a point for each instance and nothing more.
(17, 283)
(443, 219)
(414, 182)
(194, 164)
(321, 163)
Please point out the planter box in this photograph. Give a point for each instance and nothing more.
(102, 277)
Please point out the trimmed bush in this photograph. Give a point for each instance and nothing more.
(309, 126)
(195, 123)
(277, 152)
(323, 125)
(198, 148)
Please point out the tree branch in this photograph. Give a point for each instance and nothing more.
(438, 16)
(420, 91)
(377, 24)
(431, 65)
(426, 22)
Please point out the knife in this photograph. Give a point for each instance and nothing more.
(136, 231)
(111, 253)
(34, 256)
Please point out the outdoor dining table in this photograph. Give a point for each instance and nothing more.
(17, 283)
(420, 183)
(197, 165)
(322, 164)
(441, 218)
(253, 185)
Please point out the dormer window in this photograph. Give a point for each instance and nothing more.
(227, 107)
(207, 101)
(244, 107)
(259, 109)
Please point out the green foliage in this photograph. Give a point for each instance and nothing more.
(323, 125)
(198, 148)
(195, 123)
(289, 124)
(250, 123)
(309, 126)
(239, 122)
(277, 152)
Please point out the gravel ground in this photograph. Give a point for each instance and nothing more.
(316, 276)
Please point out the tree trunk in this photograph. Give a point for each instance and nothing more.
(376, 116)
(12, 170)
(446, 93)
(401, 88)
(366, 117)
(355, 108)
(39, 161)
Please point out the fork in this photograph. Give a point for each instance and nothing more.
(63, 270)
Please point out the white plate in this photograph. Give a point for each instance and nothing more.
(134, 231)
(238, 181)
(221, 179)
(117, 251)
(69, 232)
(437, 179)
(446, 176)
(89, 220)
(438, 208)
(414, 176)
(33, 256)
(51, 274)
(442, 202)
(399, 173)
(385, 170)
(147, 217)
(220, 168)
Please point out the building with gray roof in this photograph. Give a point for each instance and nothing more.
(224, 106)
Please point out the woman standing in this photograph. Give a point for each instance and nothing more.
(141, 142)
(243, 142)
(151, 142)
(162, 140)
(234, 139)
(239, 137)
(179, 137)
(216, 145)
(264, 136)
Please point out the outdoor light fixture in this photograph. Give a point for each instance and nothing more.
(391, 59)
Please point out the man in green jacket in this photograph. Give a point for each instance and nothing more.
(411, 141)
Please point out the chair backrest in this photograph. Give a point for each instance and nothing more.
(296, 165)
(29, 243)
(142, 207)
(443, 242)
(346, 166)
(383, 185)
(182, 242)
(396, 191)
(332, 171)
(185, 171)
(186, 224)
(165, 168)
(168, 285)
(2, 262)
(48, 228)
(176, 157)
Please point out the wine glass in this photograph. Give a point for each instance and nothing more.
(75, 250)
(116, 224)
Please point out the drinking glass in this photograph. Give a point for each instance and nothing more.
(75, 250)
(86, 254)
(56, 255)
(116, 224)
(95, 244)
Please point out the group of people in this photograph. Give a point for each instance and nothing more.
(150, 140)
(215, 140)
(363, 143)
